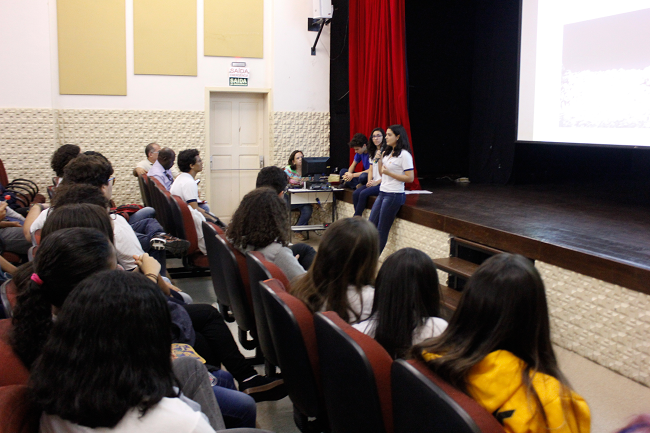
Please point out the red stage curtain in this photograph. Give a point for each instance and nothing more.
(377, 65)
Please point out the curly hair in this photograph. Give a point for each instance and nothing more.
(261, 219)
(62, 156)
(64, 259)
(94, 368)
(273, 177)
(91, 169)
(186, 158)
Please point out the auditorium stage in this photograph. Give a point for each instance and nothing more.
(599, 230)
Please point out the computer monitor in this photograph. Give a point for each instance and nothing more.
(315, 166)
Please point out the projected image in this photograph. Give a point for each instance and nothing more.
(606, 72)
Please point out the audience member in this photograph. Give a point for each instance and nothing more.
(106, 363)
(407, 303)
(371, 188)
(261, 223)
(186, 187)
(294, 173)
(62, 156)
(274, 177)
(396, 168)
(161, 169)
(497, 349)
(151, 153)
(352, 179)
(11, 231)
(341, 277)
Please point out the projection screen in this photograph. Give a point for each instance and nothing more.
(584, 72)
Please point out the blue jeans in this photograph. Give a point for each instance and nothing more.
(145, 229)
(145, 212)
(360, 197)
(363, 179)
(305, 213)
(383, 214)
(238, 409)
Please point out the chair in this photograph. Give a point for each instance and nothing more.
(17, 413)
(8, 297)
(260, 269)
(239, 300)
(161, 201)
(210, 232)
(24, 190)
(194, 258)
(424, 402)
(357, 388)
(292, 328)
(143, 182)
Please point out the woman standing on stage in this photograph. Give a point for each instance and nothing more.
(396, 169)
(371, 188)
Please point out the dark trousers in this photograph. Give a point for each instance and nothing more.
(360, 197)
(145, 229)
(363, 179)
(307, 254)
(215, 343)
(383, 214)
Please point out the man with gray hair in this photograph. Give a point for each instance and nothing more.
(145, 165)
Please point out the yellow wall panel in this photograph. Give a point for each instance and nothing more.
(234, 28)
(164, 37)
(92, 47)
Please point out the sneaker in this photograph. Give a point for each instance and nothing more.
(263, 388)
(174, 245)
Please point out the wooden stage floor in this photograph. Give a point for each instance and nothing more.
(598, 230)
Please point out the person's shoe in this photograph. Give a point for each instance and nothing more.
(174, 245)
(263, 388)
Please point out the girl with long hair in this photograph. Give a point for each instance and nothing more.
(361, 195)
(96, 372)
(261, 223)
(497, 349)
(396, 169)
(407, 303)
(294, 173)
(343, 272)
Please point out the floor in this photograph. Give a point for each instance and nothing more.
(612, 398)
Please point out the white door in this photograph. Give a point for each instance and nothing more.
(236, 149)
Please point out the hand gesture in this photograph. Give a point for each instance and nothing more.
(147, 264)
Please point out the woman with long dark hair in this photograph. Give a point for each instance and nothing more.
(407, 303)
(294, 172)
(361, 195)
(497, 349)
(343, 272)
(396, 169)
(107, 362)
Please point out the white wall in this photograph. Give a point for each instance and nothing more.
(29, 71)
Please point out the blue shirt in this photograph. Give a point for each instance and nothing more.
(364, 158)
(164, 176)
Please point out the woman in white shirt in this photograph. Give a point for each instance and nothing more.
(396, 169)
(342, 275)
(95, 373)
(371, 189)
(407, 303)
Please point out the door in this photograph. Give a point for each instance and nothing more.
(236, 149)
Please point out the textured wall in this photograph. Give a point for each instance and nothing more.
(293, 130)
(603, 322)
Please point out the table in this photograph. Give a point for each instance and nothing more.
(306, 196)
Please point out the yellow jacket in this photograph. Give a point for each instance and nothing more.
(495, 383)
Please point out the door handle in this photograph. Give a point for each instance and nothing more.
(261, 161)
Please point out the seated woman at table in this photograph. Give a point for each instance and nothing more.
(294, 172)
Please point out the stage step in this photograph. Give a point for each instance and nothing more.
(476, 246)
(448, 301)
(456, 266)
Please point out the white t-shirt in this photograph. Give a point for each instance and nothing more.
(359, 304)
(198, 219)
(433, 327)
(186, 188)
(170, 415)
(375, 167)
(126, 241)
(398, 165)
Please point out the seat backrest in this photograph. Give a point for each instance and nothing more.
(143, 182)
(424, 402)
(239, 301)
(356, 377)
(216, 265)
(184, 222)
(294, 338)
(4, 179)
(12, 370)
(8, 297)
(17, 413)
(157, 201)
